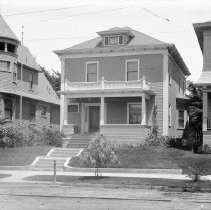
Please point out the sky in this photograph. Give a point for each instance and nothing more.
(57, 24)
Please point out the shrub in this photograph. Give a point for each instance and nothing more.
(205, 149)
(196, 168)
(10, 137)
(100, 153)
(17, 136)
(52, 138)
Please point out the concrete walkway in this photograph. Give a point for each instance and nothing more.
(18, 176)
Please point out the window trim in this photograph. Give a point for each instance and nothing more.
(91, 62)
(184, 114)
(128, 111)
(73, 105)
(123, 40)
(138, 71)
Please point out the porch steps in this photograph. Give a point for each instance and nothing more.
(60, 155)
(79, 141)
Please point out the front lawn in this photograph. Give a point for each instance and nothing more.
(162, 184)
(153, 158)
(21, 156)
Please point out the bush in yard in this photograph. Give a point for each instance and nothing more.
(196, 168)
(205, 149)
(100, 153)
(10, 137)
(52, 137)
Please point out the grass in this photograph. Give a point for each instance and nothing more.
(153, 158)
(21, 156)
(162, 184)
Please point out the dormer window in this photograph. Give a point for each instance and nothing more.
(113, 40)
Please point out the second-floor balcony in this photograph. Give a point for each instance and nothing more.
(106, 86)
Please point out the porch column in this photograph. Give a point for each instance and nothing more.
(143, 110)
(62, 98)
(204, 111)
(65, 111)
(102, 112)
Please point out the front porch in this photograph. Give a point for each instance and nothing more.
(122, 114)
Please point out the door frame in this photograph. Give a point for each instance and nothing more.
(84, 107)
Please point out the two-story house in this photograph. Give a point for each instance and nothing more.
(203, 32)
(21, 77)
(113, 82)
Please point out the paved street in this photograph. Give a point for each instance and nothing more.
(36, 196)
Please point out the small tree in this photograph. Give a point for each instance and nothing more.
(100, 153)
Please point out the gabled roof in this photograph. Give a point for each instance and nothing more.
(205, 78)
(26, 58)
(199, 28)
(6, 31)
(138, 41)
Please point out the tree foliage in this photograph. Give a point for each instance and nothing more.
(100, 153)
(194, 125)
(54, 78)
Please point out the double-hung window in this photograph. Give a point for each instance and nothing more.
(91, 71)
(134, 113)
(181, 119)
(4, 66)
(132, 67)
(8, 109)
(30, 79)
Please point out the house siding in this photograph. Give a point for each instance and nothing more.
(176, 87)
(113, 69)
(207, 50)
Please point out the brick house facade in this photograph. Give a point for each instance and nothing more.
(111, 84)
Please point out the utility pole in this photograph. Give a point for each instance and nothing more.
(21, 92)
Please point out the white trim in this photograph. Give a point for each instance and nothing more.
(62, 98)
(165, 94)
(170, 115)
(50, 152)
(132, 60)
(109, 45)
(35, 161)
(112, 53)
(91, 62)
(129, 103)
(179, 110)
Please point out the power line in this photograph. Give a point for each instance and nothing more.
(69, 16)
(47, 10)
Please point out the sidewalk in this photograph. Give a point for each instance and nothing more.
(18, 176)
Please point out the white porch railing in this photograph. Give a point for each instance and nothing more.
(106, 85)
(209, 123)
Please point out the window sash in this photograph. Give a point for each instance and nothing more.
(91, 72)
(8, 109)
(32, 113)
(181, 118)
(135, 113)
(132, 70)
(73, 108)
(4, 65)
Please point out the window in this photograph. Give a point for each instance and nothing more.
(132, 70)
(32, 113)
(14, 74)
(4, 65)
(113, 40)
(73, 108)
(43, 110)
(181, 119)
(8, 109)
(134, 113)
(92, 72)
(1, 46)
(30, 79)
(169, 115)
(11, 48)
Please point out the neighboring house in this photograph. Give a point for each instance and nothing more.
(40, 102)
(203, 32)
(111, 84)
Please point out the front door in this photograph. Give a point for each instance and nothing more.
(94, 118)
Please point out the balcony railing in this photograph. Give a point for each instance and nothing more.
(107, 85)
